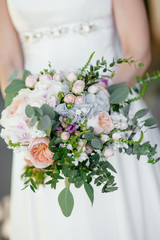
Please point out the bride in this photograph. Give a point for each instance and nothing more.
(66, 33)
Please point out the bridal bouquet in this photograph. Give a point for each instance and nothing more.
(69, 125)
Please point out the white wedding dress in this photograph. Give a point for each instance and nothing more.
(50, 31)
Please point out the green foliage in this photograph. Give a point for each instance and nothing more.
(89, 190)
(141, 113)
(66, 201)
(13, 76)
(15, 86)
(47, 110)
(150, 122)
(44, 123)
(87, 64)
(30, 112)
(113, 87)
(119, 95)
(25, 74)
(9, 98)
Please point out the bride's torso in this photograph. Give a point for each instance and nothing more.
(64, 32)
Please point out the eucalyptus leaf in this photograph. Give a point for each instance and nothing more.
(113, 87)
(25, 74)
(47, 110)
(44, 123)
(141, 113)
(33, 121)
(29, 111)
(13, 76)
(9, 98)
(89, 136)
(89, 190)
(96, 143)
(119, 95)
(15, 86)
(66, 201)
(38, 111)
(150, 121)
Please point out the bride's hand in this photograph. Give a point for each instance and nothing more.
(10, 49)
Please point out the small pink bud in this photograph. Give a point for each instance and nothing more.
(65, 136)
(78, 87)
(116, 136)
(79, 100)
(71, 76)
(31, 80)
(105, 138)
(108, 153)
(93, 89)
(57, 77)
(69, 98)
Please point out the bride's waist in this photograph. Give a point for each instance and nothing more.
(74, 28)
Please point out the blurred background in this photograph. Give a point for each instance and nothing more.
(152, 97)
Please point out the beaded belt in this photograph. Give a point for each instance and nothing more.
(59, 31)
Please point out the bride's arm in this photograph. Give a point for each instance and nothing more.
(132, 25)
(10, 50)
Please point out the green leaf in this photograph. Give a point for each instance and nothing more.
(141, 113)
(32, 188)
(38, 111)
(9, 98)
(33, 121)
(15, 86)
(44, 123)
(141, 64)
(29, 174)
(66, 201)
(89, 190)
(113, 87)
(13, 76)
(25, 74)
(33, 183)
(89, 136)
(150, 121)
(47, 110)
(119, 95)
(29, 111)
(107, 164)
(96, 143)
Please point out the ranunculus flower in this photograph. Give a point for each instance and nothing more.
(105, 138)
(65, 136)
(57, 77)
(31, 80)
(41, 156)
(79, 100)
(69, 98)
(101, 122)
(108, 152)
(88, 149)
(116, 136)
(78, 87)
(71, 76)
(93, 89)
(71, 128)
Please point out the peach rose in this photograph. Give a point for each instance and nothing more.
(78, 87)
(101, 122)
(41, 156)
(69, 98)
(79, 100)
(31, 80)
(65, 136)
(108, 152)
(71, 76)
(57, 77)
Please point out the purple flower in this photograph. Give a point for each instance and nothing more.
(71, 128)
(59, 128)
(105, 81)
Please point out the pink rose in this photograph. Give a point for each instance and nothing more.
(105, 138)
(71, 76)
(108, 152)
(41, 156)
(93, 89)
(65, 136)
(78, 87)
(45, 77)
(116, 136)
(101, 122)
(79, 100)
(31, 80)
(88, 149)
(57, 77)
(69, 98)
